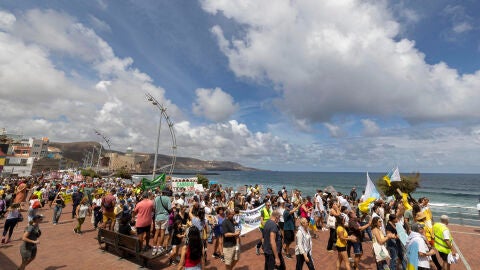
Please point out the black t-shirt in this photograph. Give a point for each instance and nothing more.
(124, 229)
(270, 227)
(354, 228)
(392, 229)
(228, 227)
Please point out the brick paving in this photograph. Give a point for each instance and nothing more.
(61, 248)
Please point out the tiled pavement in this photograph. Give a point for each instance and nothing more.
(61, 248)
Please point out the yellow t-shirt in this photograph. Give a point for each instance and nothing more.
(340, 242)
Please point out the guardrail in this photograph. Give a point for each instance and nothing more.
(457, 214)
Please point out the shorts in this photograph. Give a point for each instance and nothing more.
(230, 254)
(357, 248)
(289, 236)
(341, 249)
(280, 224)
(108, 216)
(145, 229)
(28, 253)
(444, 256)
(161, 224)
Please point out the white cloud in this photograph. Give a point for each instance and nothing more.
(39, 96)
(98, 24)
(370, 128)
(462, 27)
(6, 20)
(335, 130)
(214, 104)
(331, 57)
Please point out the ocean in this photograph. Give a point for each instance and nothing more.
(455, 195)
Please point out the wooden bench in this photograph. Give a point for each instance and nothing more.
(125, 244)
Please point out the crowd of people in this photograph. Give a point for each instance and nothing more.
(180, 225)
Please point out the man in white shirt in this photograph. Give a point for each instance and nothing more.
(319, 210)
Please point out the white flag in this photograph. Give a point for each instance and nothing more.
(395, 175)
(370, 190)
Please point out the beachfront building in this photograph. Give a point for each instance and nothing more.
(133, 162)
(39, 147)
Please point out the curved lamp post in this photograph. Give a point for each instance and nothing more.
(163, 115)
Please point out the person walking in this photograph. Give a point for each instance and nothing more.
(13, 217)
(303, 249)
(82, 210)
(231, 251)
(77, 197)
(58, 205)
(443, 240)
(28, 248)
(108, 206)
(272, 243)
(334, 212)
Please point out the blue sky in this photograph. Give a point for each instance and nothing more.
(295, 85)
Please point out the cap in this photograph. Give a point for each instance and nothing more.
(417, 226)
(129, 200)
(420, 215)
(122, 201)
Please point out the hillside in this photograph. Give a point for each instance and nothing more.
(76, 151)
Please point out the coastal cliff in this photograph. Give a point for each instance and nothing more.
(77, 150)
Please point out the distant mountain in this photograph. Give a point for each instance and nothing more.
(77, 150)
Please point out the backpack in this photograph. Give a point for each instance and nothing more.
(51, 195)
(107, 204)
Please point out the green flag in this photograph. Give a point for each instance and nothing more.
(159, 181)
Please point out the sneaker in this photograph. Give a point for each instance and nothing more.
(154, 251)
(215, 255)
(75, 230)
(258, 251)
(222, 258)
(351, 260)
(160, 250)
(289, 256)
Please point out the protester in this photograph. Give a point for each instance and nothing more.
(178, 235)
(58, 205)
(218, 232)
(303, 248)
(334, 212)
(289, 228)
(265, 214)
(443, 240)
(82, 210)
(163, 208)
(417, 248)
(341, 244)
(108, 206)
(28, 248)
(13, 217)
(379, 238)
(356, 230)
(395, 248)
(272, 243)
(143, 214)
(231, 250)
(192, 252)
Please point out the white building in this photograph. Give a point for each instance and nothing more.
(39, 147)
(20, 166)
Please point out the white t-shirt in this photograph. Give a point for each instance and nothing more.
(423, 261)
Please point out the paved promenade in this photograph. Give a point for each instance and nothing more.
(61, 248)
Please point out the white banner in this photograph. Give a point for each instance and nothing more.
(250, 219)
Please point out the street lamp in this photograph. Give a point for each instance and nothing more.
(163, 115)
(107, 140)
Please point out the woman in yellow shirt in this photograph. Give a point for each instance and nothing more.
(342, 238)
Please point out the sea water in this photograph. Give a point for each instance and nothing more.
(455, 195)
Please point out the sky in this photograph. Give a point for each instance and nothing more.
(285, 85)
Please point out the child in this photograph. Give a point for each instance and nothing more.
(177, 236)
(237, 223)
